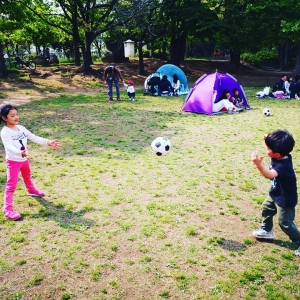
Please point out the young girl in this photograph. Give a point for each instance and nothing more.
(130, 89)
(175, 85)
(14, 138)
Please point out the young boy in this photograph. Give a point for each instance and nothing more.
(237, 100)
(283, 195)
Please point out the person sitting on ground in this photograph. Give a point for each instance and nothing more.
(165, 87)
(217, 106)
(278, 87)
(287, 84)
(225, 95)
(295, 88)
(238, 101)
(175, 85)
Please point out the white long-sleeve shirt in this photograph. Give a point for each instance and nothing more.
(129, 88)
(176, 85)
(14, 140)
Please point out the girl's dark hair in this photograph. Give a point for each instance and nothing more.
(175, 78)
(5, 111)
(280, 141)
(223, 95)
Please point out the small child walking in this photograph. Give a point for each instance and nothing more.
(14, 138)
(283, 196)
(130, 89)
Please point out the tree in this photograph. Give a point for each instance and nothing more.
(140, 25)
(11, 16)
(186, 18)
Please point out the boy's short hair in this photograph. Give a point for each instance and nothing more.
(235, 90)
(280, 141)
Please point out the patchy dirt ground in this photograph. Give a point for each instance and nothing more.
(22, 87)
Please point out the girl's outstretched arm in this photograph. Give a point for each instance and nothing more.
(54, 144)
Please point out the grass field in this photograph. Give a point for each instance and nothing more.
(118, 222)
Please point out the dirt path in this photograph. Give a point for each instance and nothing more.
(19, 88)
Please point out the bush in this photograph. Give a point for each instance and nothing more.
(256, 58)
(157, 53)
(146, 53)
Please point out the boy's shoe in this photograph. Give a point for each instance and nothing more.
(36, 194)
(12, 215)
(297, 252)
(110, 99)
(133, 99)
(237, 109)
(263, 234)
(119, 99)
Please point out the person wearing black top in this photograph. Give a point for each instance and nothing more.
(165, 86)
(283, 195)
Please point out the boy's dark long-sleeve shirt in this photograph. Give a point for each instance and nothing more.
(284, 187)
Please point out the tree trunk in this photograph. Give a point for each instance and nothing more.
(86, 51)
(284, 59)
(235, 58)
(297, 64)
(141, 60)
(76, 37)
(98, 46)
(3, 69)
(177, 47)
(17, 50)
(282, 55)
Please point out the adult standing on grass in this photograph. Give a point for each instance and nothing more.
(113, 75)
(14, 138)
(283, 195)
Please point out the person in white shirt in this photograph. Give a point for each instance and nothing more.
(216, 107)
(130, 89)
(14, 138)
(287, 84)
(175, 85)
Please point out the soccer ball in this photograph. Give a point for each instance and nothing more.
(161, 146)
(267, 112)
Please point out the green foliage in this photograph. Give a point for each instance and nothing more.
(146, 53)
(256, 58)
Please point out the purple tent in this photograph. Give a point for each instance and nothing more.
(199, 99)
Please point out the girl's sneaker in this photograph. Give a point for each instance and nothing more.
(12, 215)
(36, 193)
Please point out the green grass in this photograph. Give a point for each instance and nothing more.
(118, 222)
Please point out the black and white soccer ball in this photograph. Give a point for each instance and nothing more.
(161, 146)
(267, 112)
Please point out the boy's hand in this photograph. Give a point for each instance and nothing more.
(265, 136)
(257, 159)
(54, 144)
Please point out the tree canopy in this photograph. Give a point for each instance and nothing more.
(173, 28)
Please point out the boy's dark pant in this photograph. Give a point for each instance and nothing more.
(286, 216)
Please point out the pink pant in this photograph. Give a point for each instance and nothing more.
(13, 169)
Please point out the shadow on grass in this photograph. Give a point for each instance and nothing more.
(280, 243)
(65, 218)
(233, 246)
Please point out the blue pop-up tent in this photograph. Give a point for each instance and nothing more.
(170, 70)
